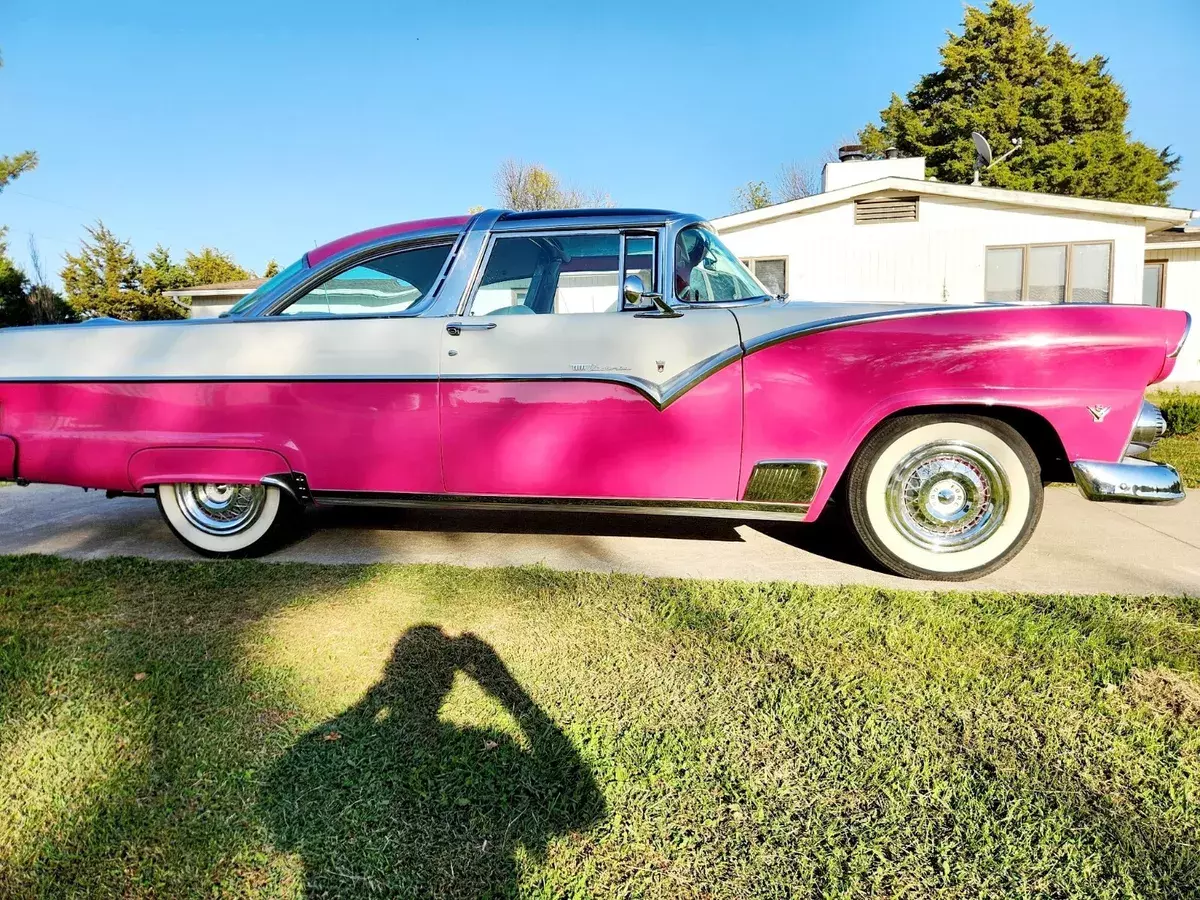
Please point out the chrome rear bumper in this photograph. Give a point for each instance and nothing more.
(1128, 481)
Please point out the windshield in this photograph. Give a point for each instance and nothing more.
(250, 299)
(706, 272)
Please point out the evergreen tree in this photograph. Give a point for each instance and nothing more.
(211, 266)
(13, 166)
(104, 279)
(1006, 78)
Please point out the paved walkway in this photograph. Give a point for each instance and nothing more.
(1079, 546)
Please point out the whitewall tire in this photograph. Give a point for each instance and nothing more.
(949, 498)
(225, 519)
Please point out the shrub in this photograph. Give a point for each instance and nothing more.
(1182, 411)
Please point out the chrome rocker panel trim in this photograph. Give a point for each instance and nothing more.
(721, 509)
(1128, 481)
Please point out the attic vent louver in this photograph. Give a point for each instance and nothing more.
(885, 209)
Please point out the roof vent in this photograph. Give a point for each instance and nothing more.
(891, 153)
(885, 209)
(851, 153)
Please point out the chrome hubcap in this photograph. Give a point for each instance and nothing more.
(221, 508)
(947, 496)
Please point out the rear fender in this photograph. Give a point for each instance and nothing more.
(226, 465)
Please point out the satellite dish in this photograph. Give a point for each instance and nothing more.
(983, 153)
(982, 148)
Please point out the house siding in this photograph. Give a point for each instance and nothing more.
(938, 258)
(1182, 291)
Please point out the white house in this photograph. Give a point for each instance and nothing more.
(209, 300)
(880, 230)
(1172, 279)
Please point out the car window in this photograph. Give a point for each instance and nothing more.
(381, 286)
(567, 273)
(253, 297)
(706, 272)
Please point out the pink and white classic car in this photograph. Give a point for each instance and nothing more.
(619, 360)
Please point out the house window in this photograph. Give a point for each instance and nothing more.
(1154, 279)
(771, 271)
(1049, 273)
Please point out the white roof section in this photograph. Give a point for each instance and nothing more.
(1157, 218)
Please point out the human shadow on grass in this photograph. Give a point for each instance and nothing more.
(388, 799)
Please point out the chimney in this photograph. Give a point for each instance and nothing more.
(891, 153)
(851, 153)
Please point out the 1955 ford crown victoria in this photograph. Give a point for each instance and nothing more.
(612, 360)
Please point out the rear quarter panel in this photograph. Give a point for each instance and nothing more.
(818, 395)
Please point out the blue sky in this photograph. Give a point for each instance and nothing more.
(264, 128)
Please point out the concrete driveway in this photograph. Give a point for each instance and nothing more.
(1079, 546)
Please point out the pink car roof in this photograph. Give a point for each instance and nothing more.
(322, 253)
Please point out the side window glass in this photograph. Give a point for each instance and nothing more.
(389, 284)
(706, 272)
(538, 275)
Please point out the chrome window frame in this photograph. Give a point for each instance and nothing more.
(655, 235)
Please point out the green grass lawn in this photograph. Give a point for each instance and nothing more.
(1184, 454)
(171, 729)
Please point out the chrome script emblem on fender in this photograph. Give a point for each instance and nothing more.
(592, 367)
(1099, 412)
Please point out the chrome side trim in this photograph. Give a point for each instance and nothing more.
(721, 509)
(295, 484)
(1187, 329)
(785, 481)
(817, 326)
(1128, 481)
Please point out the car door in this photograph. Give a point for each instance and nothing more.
(552, 387)
(362, 416)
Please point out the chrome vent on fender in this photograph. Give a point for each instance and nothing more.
(885, 209)
(785, 481)
(1149, 427)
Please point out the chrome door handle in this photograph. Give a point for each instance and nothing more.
(457, 328)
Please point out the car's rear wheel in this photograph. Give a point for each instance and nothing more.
(945, 498)
(226, 519)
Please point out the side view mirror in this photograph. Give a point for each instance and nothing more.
(636, 295)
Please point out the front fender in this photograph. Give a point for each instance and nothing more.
(227, 465)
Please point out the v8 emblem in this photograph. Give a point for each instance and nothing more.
(1099, 412)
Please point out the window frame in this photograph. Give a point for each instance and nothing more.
(304, 289)
(464, 306)
(1067, 246)
(1162, 281)
(749, 262)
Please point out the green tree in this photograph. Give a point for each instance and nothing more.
(752, 195)
(271, 270)
(104, 279)
(1006, 78)
(211, 266)
(13, 289)
(160, 273)
(13, 166)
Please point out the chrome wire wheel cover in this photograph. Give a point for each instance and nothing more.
(221, 509)
(947, 496)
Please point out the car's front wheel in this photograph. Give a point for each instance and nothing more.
(226, 519)
(949, 498)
